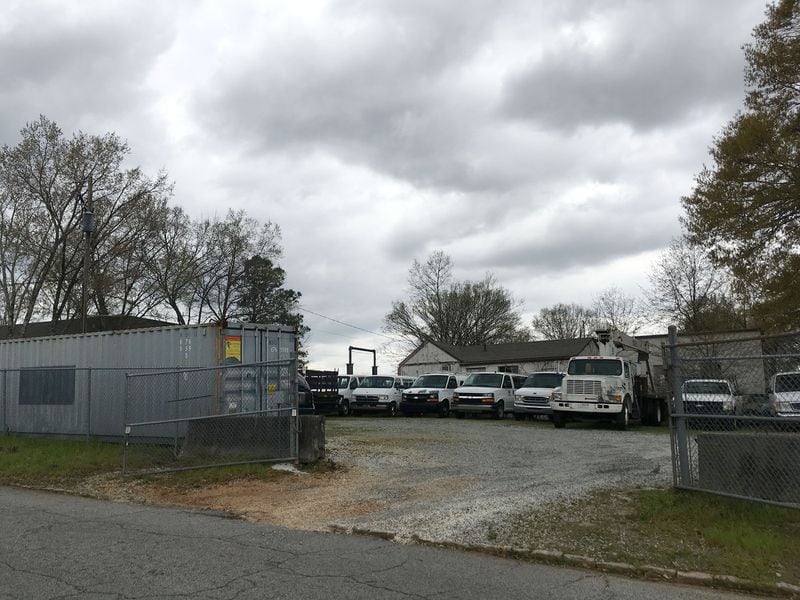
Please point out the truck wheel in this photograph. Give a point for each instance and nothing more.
(444, 410)
(623, 418)
(392, 409)
(499, 412)
(344, 409)
(459, 415)
(657, 417)
(558, 420)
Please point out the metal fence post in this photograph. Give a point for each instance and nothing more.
(177, 399)
(5, 396)
(88, 403)
(296, 411)
(125, 428)
(681, 436)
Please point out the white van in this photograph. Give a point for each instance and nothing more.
(379, 393)
(347, 385)
(486, 392)
(784, 394)
(431, 393)
(533, 398)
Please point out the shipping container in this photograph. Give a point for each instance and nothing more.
(76, 384)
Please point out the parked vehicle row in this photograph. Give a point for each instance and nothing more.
(491, 393)
(594, 387)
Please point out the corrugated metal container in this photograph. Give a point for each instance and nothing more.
(94, 367)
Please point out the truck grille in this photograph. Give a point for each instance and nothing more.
(536, 400)
(366, 398)
(584, 387)
(415, 397)
(703, 408)
(471, 398)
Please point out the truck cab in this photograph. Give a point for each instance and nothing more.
(709, 397)
(487, 393)
(595, 387)
(381, 393)
(430, 393)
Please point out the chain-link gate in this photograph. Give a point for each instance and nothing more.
(199, 417)
(735, 422)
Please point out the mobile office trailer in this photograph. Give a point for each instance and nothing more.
(76, 384)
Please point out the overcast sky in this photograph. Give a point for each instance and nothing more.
(546, 142)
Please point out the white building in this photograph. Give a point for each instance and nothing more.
(521, 357)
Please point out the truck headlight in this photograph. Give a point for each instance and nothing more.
(555, 397)
(383, 397)
(433, 396)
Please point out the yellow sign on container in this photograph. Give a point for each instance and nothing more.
(233, 347)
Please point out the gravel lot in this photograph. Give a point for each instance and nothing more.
(459, 480)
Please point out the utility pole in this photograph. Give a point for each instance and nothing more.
(88, 229)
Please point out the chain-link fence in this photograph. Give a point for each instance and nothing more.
(736, 415)
(200, 417)
(64, 401)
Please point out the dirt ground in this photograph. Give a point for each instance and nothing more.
(447, 480)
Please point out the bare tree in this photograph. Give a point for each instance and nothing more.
(564, 321)
(44, 178)
(461, 313)
(146, 258)
(177, 265)
(688, 290)
(228, 245)
(616, 310)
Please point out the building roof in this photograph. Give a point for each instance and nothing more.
(94, 324)
(516, 352)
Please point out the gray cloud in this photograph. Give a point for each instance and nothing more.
(657, 63)
(77, 69)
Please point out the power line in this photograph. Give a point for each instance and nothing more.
(307, 310)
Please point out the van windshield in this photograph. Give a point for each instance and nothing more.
(788, 382)
(594, 366)
(706, 387)
(543, 380)
(484, 380)
(377, 382)
(434, 381)
(344, 381)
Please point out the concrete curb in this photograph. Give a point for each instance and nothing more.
(557, 558)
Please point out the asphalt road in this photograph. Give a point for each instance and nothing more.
(56, 546)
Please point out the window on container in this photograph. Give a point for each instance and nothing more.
(47, 386)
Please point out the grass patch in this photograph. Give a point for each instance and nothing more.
(38, 461)
(42, 462)
(688, 531)
(213, 476)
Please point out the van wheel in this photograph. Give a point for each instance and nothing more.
(623, 418)
(392, 410)
(444, 410)
(344, 409)
(499, 412)
(558, 420)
